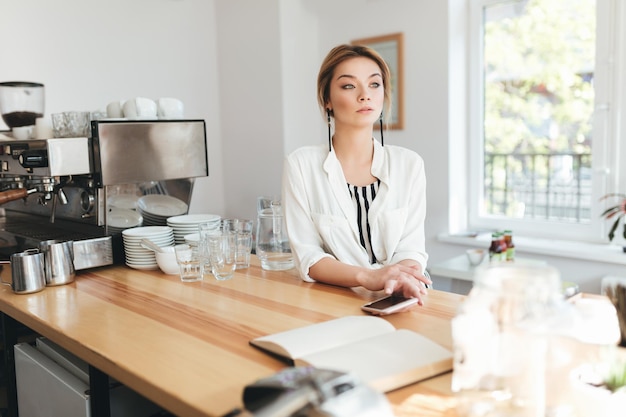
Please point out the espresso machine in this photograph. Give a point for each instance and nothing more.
(59, 188)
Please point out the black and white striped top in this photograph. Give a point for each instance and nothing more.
(362, 198)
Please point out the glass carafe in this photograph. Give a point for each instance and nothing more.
(272, 243)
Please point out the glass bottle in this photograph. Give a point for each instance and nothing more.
(510, 247)
(503, 247)
(494, 248)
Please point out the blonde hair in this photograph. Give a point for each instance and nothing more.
(341, 53)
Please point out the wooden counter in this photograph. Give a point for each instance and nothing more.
(185, 345)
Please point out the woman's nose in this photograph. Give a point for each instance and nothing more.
(363, 93)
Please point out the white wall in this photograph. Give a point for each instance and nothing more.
(303, 121)
(89, 53)
(250, 106)
(268, 59)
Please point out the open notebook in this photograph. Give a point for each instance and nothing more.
(370, 347)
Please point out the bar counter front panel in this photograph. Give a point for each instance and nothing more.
(185, 345)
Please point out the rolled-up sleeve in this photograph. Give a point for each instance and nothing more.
(412, 244)
(304, 239)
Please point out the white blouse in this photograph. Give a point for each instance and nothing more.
(321, 219)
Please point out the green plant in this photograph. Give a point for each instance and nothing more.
(615, 380)
(616, 212)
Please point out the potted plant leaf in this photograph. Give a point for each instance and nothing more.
(600, 390)
(615, 379)
(616, 214)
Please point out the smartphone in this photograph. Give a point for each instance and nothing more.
(389, 304)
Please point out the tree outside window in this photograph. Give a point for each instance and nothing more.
(538, 106)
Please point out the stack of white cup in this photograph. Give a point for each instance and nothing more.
(146, 109)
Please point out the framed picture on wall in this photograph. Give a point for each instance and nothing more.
(391, 47)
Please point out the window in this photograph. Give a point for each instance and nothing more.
(543, 115)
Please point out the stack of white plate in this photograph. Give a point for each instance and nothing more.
(156, 208)
(119, 219)
(188, 224)
(125, 201)
(136, 255)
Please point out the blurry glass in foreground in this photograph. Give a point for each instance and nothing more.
(501, 338)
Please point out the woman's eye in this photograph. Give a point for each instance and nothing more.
(375, 85)
(347, 87)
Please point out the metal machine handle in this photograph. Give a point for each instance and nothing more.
(11, 195)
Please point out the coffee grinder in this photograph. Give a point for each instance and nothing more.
(21, 103)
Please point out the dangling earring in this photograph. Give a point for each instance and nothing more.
(380, 120)
(329, 137)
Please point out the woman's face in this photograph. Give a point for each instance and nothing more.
(356, 92)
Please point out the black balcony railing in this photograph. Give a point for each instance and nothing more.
(555, 186)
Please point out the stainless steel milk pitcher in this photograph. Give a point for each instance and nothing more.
(58, 261)
(27, 273)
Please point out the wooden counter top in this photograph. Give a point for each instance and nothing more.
(185, 345)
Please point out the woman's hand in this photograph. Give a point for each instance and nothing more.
(400, 279)
(404, 278)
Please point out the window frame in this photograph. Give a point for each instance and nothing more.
(608, 117)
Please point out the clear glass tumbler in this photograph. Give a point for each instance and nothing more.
(222, 247)
(189, 262)
(243, 231)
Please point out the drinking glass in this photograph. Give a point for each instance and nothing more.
(204, 230)
(60, 127)
(78, 123)
(243, 231)
(221, 250)
(188, 259)
(502, 339)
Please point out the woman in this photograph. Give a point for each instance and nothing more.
(355, 209)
